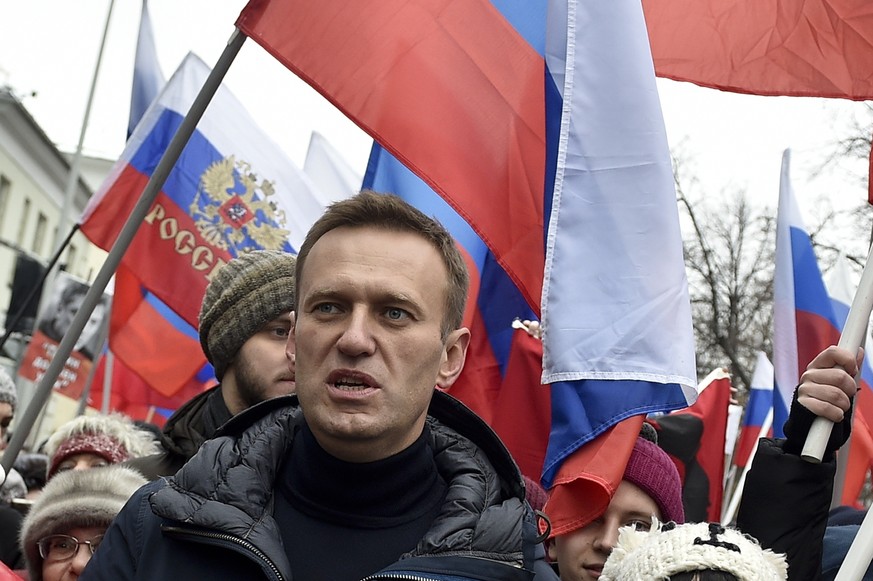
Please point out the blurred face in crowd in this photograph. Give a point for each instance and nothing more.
(260, 370)
(82, 461)
(5, 420)
(63, 560)
(92, 326)
(65, 313)
(369, 348)
(581, 554)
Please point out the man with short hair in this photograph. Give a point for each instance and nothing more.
(376, 474)
(245, 320)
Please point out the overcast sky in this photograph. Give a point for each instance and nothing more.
(49, 48)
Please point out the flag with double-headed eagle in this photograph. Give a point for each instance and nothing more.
(232, 190)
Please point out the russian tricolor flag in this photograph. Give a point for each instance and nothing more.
(231, 190)
(148, 79)
(860, 459)
(804, 321)
(758, 407)
(539, 128)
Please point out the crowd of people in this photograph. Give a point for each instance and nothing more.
(325, 451)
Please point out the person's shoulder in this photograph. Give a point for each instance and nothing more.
(137, 511)
(266, 412)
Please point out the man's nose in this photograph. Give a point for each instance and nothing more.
(357, 336)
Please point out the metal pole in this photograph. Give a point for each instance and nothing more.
(73, 178)
(89, 382)
(95, 293)
(107, 381)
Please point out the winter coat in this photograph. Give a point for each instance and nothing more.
(785, 506)
(182, 436)
(213, 520)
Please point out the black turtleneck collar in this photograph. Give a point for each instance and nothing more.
(215, 413)
(380, 494)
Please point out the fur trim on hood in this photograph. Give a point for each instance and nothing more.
(113, 437)
(76, 498)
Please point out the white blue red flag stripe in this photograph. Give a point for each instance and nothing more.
(231, 190)
(758, 407)
(460, 94)
(148, 79)
(614, 246)
(803, 318)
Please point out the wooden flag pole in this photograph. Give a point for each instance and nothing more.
(125, 237)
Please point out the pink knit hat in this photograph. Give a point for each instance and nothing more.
(650, 468)
(112, 437)
(101, 445)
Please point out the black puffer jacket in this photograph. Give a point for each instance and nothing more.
(785, 506)
(192, 424)
(213, 520)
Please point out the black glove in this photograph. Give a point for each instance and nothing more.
(800, 421)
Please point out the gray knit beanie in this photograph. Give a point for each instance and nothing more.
(247, 293)
(8, 394)
(76, 498)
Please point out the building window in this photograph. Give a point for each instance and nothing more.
(5, 186)
(22, 226)
(71, 257)
(39, 233)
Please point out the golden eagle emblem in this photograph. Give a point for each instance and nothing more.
(232, 209)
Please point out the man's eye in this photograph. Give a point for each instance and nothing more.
(280, 331)
(640, 525)
(326, 308)
(396, 314)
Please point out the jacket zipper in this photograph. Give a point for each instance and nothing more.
(399, 576)
(233, 540)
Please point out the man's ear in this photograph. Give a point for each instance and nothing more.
(453, 357)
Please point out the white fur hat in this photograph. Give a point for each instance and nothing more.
(113, 437)
(670, 549)
(76, 498)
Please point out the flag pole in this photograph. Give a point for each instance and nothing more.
(107, 380)
(851, 339)
(858, 558)
(125, 237)
(73, 177)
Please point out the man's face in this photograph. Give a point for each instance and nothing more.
(581, 554)
(260, 370)
(368, 344)
(5, 420)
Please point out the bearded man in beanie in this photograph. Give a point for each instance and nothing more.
(371, 471)
(245, 320)
(650, 487)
